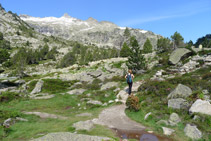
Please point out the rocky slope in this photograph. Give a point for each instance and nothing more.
(20, 34)
(89, 31)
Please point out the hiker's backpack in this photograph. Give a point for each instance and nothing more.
(129, 78)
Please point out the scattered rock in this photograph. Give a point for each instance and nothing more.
(21, 119)
(109, 85)
(110, 101)
(84, 125)
(136, 86)
(201, 106)
(38, 87)
(122, 96)
(192, 131)
(167, 131)
(8, 122)
(76, 91)
(95, 102)
(20, 82)
(88, 94)
(174, 119)
(117, 89)
(177, 54)
(205, 92)
(181, 91)
(95, 74)
(147, 115)
(178, 103)
(163, 122)
(84, 115)
(196, 117)
(66, 136)
(41, 96)
(45, 115)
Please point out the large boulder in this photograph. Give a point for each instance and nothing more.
(177, 54)
(181, 91)
(192, 131)
(67, 136)
(94, 102)
(76, 91)
(38, 87)
(95, 74)
(178, 103)
(109, 85)
(84, 125)
(122, 96)
(201, 106)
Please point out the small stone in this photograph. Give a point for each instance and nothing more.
(76, 91)
(174, 119)
(150, 132)
(84, 115)
(21, 119)
(8, 122)
(94, 102)
(163, 122)
(110, 101)
(147, 115)
(167, 131)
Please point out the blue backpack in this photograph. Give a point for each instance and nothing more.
(129, 78)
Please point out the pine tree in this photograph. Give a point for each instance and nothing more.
(125, 51)
(1, 36)
(20, 60)
(147, 47)
(4, 55)
(136, 60)
(177, 39)
(127, 33)
(163, 45)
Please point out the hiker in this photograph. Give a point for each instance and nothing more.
(129, 77)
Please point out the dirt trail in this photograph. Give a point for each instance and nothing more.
(115, 117)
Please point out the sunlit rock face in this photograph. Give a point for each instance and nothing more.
(90, 31)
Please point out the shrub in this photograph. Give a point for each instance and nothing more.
(206, 76)
(133, 103)
(4, 55)
(156, 87)
(8, 96)
(94, 86)
(68, 60)
(55, 85)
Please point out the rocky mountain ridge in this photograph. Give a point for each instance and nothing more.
(90, 31)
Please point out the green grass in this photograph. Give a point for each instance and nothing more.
(99, 130)
(53, 86)
(64, 105)
(153, 98)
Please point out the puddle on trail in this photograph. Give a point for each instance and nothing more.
(139, 135)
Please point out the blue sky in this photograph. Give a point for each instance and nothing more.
(191, 18)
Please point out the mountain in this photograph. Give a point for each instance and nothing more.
(90, 31)
(21, 34)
